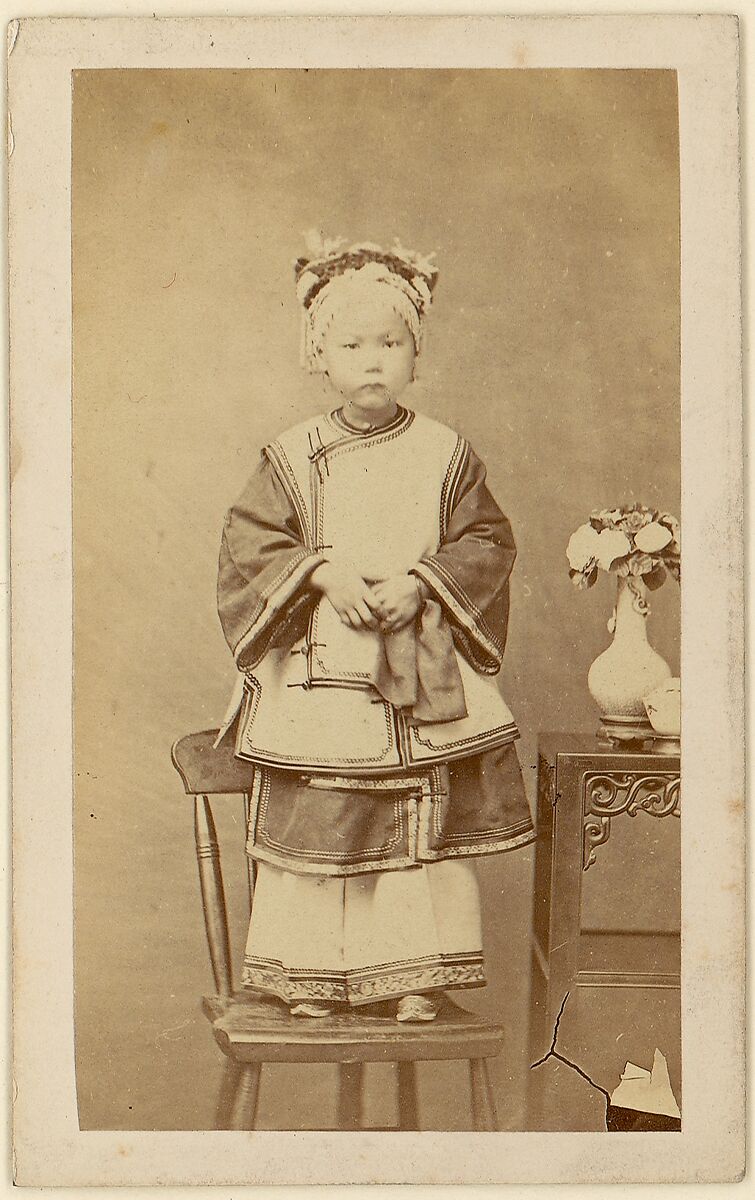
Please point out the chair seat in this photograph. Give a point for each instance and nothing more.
(251, 1029)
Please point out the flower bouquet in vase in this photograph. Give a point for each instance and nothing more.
(640, 546)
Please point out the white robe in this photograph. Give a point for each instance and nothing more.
(364, 938)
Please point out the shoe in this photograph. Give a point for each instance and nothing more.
(306, 1009)
(416, 1008)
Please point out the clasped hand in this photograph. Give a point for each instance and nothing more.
(388, 605)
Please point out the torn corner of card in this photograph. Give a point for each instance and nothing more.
(647, 1091)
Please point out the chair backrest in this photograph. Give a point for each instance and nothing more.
(206, 771)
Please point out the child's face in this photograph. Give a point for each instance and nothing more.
(368, 353)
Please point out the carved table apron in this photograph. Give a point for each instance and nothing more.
(584, 788)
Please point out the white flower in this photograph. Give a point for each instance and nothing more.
(583, 547)
(652, 537)
(612, 544)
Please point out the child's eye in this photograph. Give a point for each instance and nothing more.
(349, 345)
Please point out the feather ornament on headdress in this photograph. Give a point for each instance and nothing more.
(412, 275)
(422, 262)
(318, 246)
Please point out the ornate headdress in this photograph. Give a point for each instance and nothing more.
(412, 276)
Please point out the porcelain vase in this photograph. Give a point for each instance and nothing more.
(630, 668)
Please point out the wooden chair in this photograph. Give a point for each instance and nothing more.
(251, 1030)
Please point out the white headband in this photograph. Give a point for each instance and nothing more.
(349, 287)
(321, 280)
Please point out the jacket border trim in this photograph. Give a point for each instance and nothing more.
(367, 767)
(296, 761)
(277, 595)
(509, 732)
(285, 472)
(432, 574)
(451, 482)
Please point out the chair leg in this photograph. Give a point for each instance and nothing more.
(213, 896)
(244, 1106)
(408, 1117)
(350, 1096)
(251, 866)
(228, 1084)
(484, 1115)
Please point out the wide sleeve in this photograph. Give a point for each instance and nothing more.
(263, 570)
(469, 573)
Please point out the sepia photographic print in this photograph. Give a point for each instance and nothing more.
(389, 408)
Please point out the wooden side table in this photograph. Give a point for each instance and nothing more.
(583, 789)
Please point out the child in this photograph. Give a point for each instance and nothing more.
(363, 589)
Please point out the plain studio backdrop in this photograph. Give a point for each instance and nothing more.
(551, 199)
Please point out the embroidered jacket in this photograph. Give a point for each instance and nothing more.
(407, 497)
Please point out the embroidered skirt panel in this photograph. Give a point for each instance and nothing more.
(335, 826)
